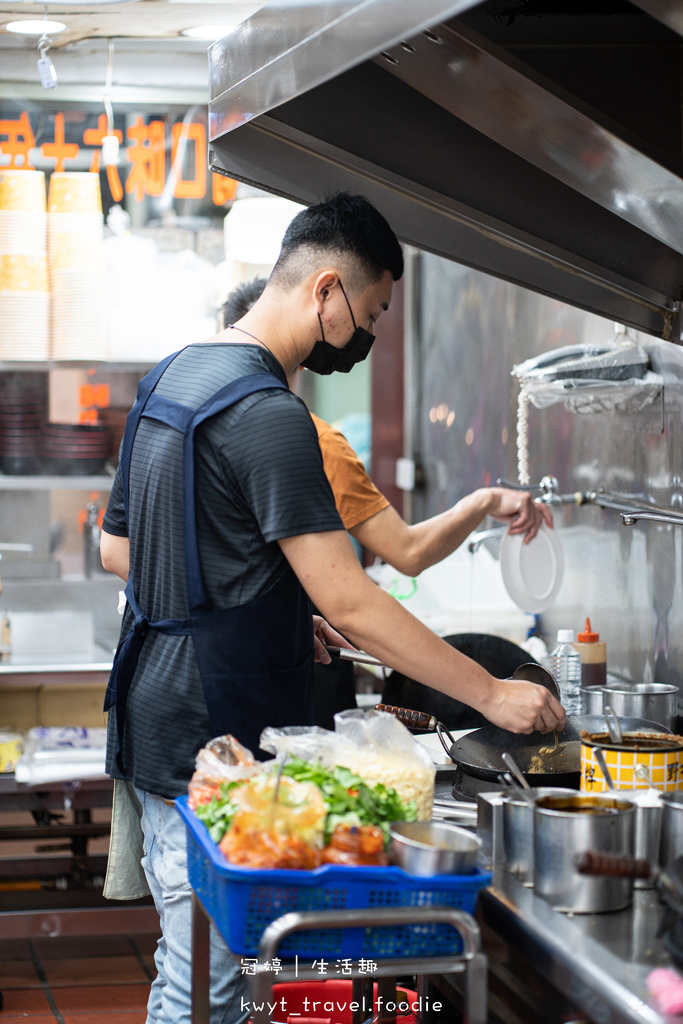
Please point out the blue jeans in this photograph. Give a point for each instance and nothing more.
(165, 866)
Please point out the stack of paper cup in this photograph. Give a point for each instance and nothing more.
(24, 289)
(77, 274)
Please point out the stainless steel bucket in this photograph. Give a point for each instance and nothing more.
(566, 826)
(671, 845)
(518, 830)
(654, 701)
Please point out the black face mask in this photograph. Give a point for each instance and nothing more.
(325, 358)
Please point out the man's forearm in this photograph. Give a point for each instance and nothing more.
(378, 624)
(328, 569)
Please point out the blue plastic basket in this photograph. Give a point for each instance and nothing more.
(243, 901)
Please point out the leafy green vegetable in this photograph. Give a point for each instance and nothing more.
(217, 814)
(350, 801)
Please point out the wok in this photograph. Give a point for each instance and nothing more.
(479, 753)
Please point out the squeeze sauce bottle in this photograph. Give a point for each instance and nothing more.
(593, 657)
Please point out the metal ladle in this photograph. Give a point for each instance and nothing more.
(613, 726)
(533, 673)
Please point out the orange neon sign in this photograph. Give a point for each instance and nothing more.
(145, 153)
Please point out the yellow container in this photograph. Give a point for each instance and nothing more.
(658, 752)
(11, 746)
(23, 274)
(74, 192)
(22, 190)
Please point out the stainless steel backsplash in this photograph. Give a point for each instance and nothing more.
(469, 330)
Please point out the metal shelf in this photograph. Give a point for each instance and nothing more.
(42, 366)
(56, 483)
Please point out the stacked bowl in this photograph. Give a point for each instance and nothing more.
(23, 412)
(74, 449)
(77, 274)
(24, 288)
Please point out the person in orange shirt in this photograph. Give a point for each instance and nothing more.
(371, 520)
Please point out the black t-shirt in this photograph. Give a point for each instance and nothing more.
(258, 477)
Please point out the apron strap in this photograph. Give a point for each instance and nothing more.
(126, 660)
(145, 389)
(223, 399)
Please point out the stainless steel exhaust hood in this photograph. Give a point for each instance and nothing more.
(536, 140)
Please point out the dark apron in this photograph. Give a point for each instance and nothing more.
(255, 661)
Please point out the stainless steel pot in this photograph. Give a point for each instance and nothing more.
(591, 700)
(433, 848)
(656, 702)
(518, 829)
(567, 826)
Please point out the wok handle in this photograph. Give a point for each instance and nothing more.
(418, 721)
(344, 654)
(442, 731)
(615, 865)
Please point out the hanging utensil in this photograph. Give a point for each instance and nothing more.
(613, 726)
(602, 764)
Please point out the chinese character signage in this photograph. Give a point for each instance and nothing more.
(159, 155)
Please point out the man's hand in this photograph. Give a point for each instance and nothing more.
(524, 707)
(520, 511)
(324, 634)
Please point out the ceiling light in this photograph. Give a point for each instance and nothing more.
(209, 33)
(35, 27)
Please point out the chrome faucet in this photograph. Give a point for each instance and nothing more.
(549, 488)
(478, 539)
(672, 518)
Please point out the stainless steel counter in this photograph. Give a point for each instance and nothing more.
(98, 659)
(599, 962)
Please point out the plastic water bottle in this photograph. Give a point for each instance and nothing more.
(565, 665)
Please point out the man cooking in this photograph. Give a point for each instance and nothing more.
(370, 518)
(223, 512)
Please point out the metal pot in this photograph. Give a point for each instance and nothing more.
(433, 848)
(591, 700)
(657, 702)
(567, 826)
(518, 829)
(662, 757)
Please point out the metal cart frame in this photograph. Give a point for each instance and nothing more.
(472, 962)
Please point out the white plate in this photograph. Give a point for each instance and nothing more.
(532, 573)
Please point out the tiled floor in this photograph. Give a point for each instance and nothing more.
(76, 980)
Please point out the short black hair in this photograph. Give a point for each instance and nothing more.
(343, 225)
(241, 299)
